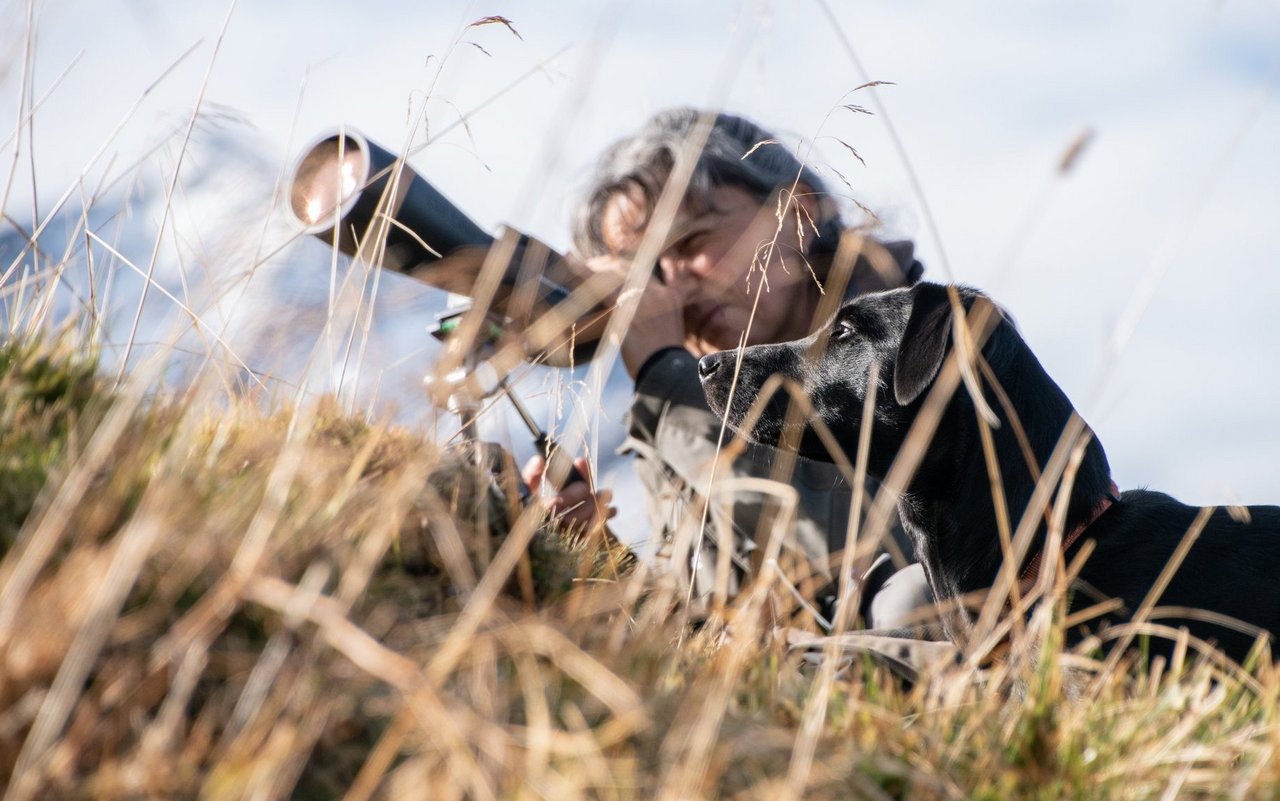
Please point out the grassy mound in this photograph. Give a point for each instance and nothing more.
(227, 604)
(166, 571)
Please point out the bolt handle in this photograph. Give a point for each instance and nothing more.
(556, 460)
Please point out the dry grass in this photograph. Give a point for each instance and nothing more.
(241, 605)
(207, 599)
(192, 585)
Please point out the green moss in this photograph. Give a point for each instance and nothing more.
(45, 392)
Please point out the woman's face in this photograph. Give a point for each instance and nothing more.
(719, 260)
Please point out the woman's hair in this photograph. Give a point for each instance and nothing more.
(643, 162)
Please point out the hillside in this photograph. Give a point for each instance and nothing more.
(204, 599)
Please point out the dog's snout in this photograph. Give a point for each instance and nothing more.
(708, 365)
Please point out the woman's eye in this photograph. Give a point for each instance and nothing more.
(691, 244)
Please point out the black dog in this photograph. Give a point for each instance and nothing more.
(1232, 570)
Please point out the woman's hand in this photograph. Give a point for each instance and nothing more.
(576, 503)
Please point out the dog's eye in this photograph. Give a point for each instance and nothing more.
(843, 330)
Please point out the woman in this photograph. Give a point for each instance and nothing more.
(745, 260)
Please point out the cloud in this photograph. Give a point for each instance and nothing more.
(1182, 180)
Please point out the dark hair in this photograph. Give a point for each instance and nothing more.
(644, 162)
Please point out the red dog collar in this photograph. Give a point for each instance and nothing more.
(1033, 567)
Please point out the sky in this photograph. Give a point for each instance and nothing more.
(1144, 278)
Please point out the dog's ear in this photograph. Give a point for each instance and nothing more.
(924, 343)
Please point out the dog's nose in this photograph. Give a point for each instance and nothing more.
(708, 365)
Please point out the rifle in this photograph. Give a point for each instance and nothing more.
(369, 204)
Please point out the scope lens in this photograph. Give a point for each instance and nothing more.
(327, 178)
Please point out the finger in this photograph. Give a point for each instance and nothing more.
(584, 469)
(581, 514)
(533, 471)
(572, 497)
